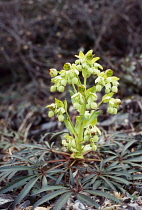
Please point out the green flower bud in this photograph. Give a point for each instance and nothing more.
(89, 56)
(94, 147)
(63, 82)
(74, 80)
(73, 144)
(61, 118)
(109, 72)
(107, 90)
(60, 88)
(81, 88)
(95, 138)
(108, 86)
(64, 143)
(76, 105)
(50, 114)
(91, 70)
(69, 81)
(86, 138)
(114, 89)
(110, 110)
(67, 66)
(114, 111)
(88, 106)
(52, 106)
(87, 148)
(98, 88)
(109, 79)
(96, 72)
(53, 88)
(93, 105)
(115, 83)
(118, 101)
(73, 150)
(79, 67)
(53, 72)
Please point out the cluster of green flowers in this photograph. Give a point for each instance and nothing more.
(58, 109)
(84, 134)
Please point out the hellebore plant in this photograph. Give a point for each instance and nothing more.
(83, 134)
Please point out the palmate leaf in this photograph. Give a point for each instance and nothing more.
(102, 194)
(87, 199)
(49, 197)
(15, 184)
(62, 200)
(25, 191)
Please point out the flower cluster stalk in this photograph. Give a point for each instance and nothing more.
(84, 134)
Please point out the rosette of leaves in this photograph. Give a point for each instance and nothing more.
(31, 169)
(121, 150)
(74, 188)
(83, 135)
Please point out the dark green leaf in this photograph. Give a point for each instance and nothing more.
(48, 197)
(17, 168)
(127, 146)
(49, 188)
(44, 182)
(103, 194)
(97, 184)
(119, 180)
(23, 158)
(109, 183)
(135, 159)
(25, 191)
(87, 199)
(59, 180)
(88, 178)
(62, 200)
(137, 177)
(72, 179)
(15, 184)
(139, 152)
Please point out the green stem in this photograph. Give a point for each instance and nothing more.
(80, 126)
(74, 88)
(75, 133)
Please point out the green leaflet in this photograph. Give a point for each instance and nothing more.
(49, 188)
(15, 184)
(87, 199)
(48, 197)
(25, 191)
(62, 200)
(103, 194)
